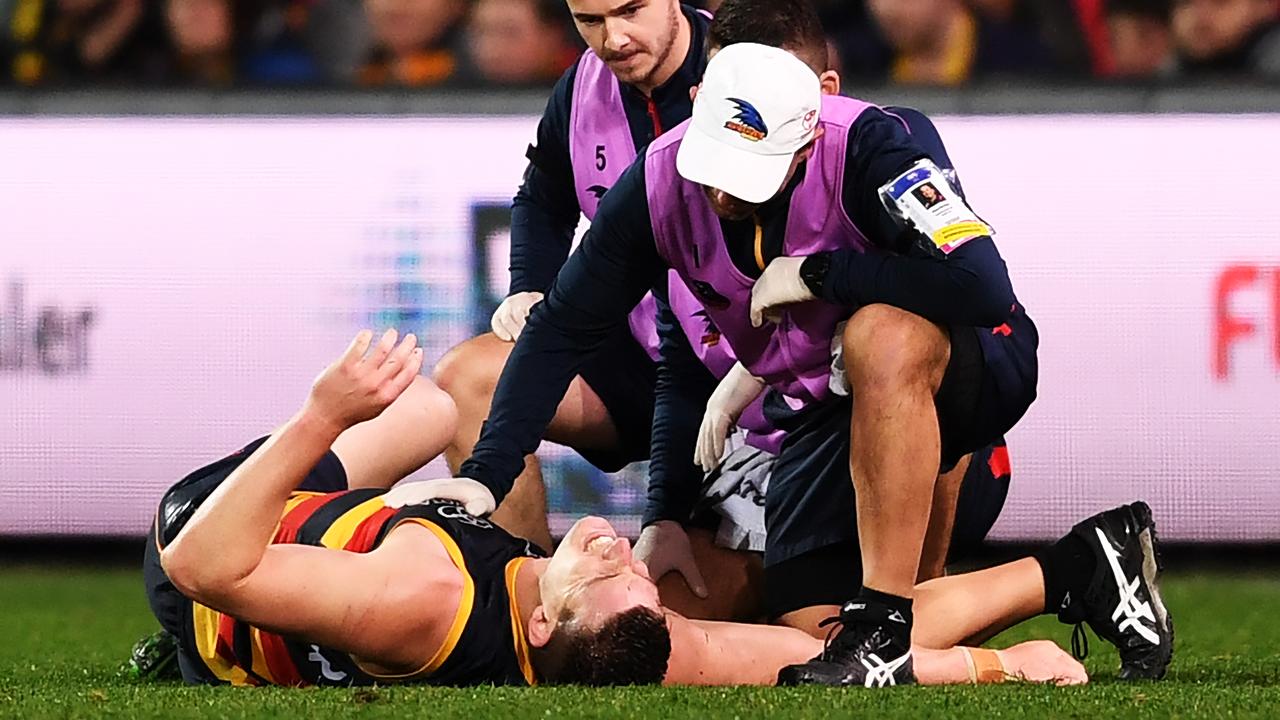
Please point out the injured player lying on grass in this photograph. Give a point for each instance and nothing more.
(291, 563)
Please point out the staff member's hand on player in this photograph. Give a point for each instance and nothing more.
(357, 387)
(664, 547)
(780, 285)
(734, 393)
(509, 319)
(475, 498)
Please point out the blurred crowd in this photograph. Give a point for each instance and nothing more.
(488, 43)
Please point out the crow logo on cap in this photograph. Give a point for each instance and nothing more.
(747, 122)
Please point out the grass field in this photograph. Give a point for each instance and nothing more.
(64, 632)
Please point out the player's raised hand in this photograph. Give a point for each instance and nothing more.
(509, 319)
(780, 285)
(366, 379)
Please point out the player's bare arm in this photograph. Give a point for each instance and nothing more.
(344, 600)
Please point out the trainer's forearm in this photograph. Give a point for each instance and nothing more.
(225, 539)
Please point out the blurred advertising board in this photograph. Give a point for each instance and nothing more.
(169, 288)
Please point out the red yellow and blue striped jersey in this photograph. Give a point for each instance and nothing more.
(485, 645)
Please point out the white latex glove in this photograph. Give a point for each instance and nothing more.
(508, 320)
(475, 498)
(779, 285)
(664, 547)
(734, 393)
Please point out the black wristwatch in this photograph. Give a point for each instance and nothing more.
(813, 271)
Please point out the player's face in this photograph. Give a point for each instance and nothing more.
(635, 38)
(593, 576)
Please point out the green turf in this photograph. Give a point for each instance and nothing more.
(63, 633)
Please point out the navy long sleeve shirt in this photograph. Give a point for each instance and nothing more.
(545, 211)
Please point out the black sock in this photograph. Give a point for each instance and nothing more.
(1068, 567)
(902, 630)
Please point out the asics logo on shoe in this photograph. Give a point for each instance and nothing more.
(1129, 606)
(881, 673)
(851, 607)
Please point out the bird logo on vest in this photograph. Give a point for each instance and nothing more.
(711, 333)
(598, 190)
(708, 295)
(747, 122)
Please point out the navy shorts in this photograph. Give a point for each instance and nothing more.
(624, 376)
(170, 607)
(989, 383)
(810, 510)
(831, 573)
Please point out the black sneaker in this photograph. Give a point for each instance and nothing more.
(862, 651)
(1122, 603)
(154, 657)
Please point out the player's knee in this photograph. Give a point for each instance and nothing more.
(886, 347)
(469, 374)
(437, 407)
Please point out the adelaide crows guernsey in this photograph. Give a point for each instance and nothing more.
(485, 645)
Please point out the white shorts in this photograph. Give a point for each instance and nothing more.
(735, 491)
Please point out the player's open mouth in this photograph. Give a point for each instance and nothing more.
(600, 543)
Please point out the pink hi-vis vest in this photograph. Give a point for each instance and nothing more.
(793, 357)
(600, 148)
(715, 353)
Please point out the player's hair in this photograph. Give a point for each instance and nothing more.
(631, 648)
(792, 25)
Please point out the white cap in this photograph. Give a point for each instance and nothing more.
(756, 107)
